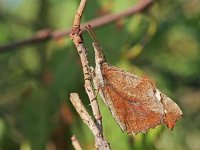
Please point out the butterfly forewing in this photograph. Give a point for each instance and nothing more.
(131, 100)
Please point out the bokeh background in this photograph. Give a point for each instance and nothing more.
(161, 43)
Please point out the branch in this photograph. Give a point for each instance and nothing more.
(74, 97)
(100, 141)
(47, 34)
(76, 143)
(78, 42)
(95, 127)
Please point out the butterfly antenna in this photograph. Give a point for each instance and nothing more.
(96, 44)
(93, 35)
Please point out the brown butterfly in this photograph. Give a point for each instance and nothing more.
(135, 103)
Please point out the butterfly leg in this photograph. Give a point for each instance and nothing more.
(95, 87)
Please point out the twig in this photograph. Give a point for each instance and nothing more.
(101, 143)
(87, 119)
(95, 127)
(76, 143)
(77, 39)
(47, 34)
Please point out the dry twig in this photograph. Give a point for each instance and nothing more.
(76, 143)
(95, 127)
(101, 142)
(78, 41)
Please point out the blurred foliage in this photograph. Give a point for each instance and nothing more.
(161, 43)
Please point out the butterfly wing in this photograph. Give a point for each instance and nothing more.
(134, 102)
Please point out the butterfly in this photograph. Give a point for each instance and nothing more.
(135, 103)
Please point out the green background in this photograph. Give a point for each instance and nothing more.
(161, 43)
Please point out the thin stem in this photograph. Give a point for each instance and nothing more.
(75, 143)
(47, 34)
(101, 142)
(96, 128)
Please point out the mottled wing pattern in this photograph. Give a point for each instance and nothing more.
(133, 102)
(172, 112)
